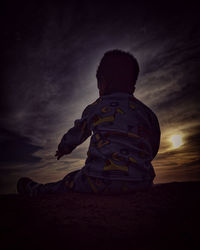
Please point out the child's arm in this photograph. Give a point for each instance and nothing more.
(75, 136)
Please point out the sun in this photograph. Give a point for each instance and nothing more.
(176, 141)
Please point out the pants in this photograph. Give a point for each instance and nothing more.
(79, 182)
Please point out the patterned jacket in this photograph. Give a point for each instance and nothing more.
(125, 138)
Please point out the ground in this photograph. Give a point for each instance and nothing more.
(164, 217)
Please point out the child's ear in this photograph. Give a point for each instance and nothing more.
(132, 89)
(102, 83)
(98, 84)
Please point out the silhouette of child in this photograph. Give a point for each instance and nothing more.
(125, 136)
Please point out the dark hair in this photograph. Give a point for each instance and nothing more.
(120, 69)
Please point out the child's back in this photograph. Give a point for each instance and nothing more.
(125, 136)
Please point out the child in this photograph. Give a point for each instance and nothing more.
(125, 136)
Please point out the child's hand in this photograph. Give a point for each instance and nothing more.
(59, 154)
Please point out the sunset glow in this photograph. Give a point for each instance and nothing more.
(176, 141)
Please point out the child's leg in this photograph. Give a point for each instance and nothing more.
(88, 184)
(131, 186)
(26, 186)
(79, 182)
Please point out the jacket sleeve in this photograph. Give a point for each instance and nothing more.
(76, 135)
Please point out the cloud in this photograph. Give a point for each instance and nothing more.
(17, 149)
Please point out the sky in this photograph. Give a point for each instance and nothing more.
(50, 52)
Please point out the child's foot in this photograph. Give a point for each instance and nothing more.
(26, 186)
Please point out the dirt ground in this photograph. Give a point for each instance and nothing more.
(164, 217)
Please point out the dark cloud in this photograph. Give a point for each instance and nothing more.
(17, 149)
(190, 164)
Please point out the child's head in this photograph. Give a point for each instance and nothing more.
(117, 72)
